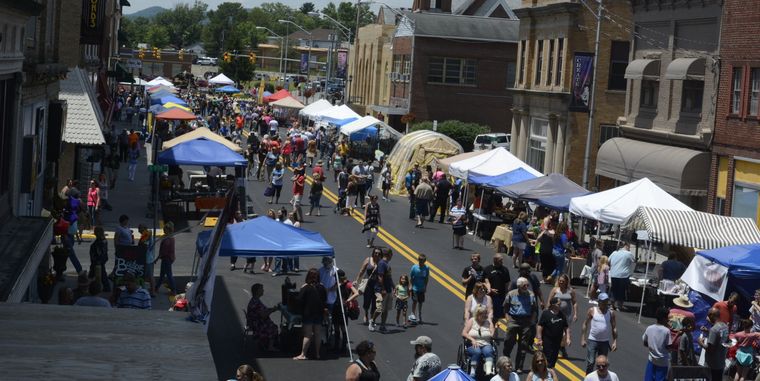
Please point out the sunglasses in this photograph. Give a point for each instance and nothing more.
(601, 366)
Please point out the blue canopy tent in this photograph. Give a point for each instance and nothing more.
(163, 93)
(555, 188)
(167, 99)
(501, 180)
(229, 89)
(743, 264)
(201, 152)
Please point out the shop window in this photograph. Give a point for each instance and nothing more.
(607, 132)
(560, 58)
(650, 91)
(618, 62)
(754, 91)
(736, 91)
(691, 96)
(537, 143)
(745, 202)
(539, 61)
(456, 71)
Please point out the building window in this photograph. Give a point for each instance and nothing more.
(537, 143)
(550, 63)
(691, 98)
(736, 91)
(397, 64)
(560, 58)
(720, 206)
(618, 62)
(745, 202)
(523, 60)
(754, 91)
(407, 65)
(456, 71)
(511, 68)
(539, 61)
(608, 132)
(650, 91)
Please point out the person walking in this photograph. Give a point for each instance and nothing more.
(401, 293)
(410, 182)
(519, 238)
(426, 363)
(93, 202)
(98, 259)
(602, 372)
(366, 281)
(277, 175)
(552, 327)
(383, 289)
(657, 339)
(504, 370)
(440, 199)
(372, 220)
(423, 193)
(419, 276)
(539, 369)
(715, 344)
(299, 180)
(386, 179)
(567, 304)
(364, 367)
(71, 215)
(522, 309)
(602, 279)
(123, 140)
(167, 256)
(313, 300)
(361, 174)
(472, 274)
(262, 155)
(315, 194)
(458, 225)
(599, 334)
(497, 281)
(133, 154)
(622, 264)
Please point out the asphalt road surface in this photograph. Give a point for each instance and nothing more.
(442, 311)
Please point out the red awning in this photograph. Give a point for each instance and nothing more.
(277, 96)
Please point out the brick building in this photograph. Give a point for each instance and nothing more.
(453, 62)
(545, 134)
(735, 171)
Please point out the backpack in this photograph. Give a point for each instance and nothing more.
(271, 159)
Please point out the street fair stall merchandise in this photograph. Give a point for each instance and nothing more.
(422, 148)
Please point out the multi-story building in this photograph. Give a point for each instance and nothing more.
(735, 171)
(452, 61)
(370, 61)
(316, 45)
(671, 99)
(545, 133)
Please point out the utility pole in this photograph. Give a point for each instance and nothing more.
(592, 104)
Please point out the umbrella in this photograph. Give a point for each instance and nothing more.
(176, 114)
(452, 373)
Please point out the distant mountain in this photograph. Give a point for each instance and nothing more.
(147, 12)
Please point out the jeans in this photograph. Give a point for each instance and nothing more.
(593, 349)
(438, 204)
(476, 353)
(132, 168)
(166, 270)
(69, 244)
(526, 331)
(551, 351)
(559, 263)
(656, 373)
(412, 204)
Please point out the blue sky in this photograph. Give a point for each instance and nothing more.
(142, 4)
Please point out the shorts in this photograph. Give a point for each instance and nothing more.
(381, 303)
(401, 305)
(421, 206)
(418, 296)
(297, 199)
(315, 321)
(519, 245)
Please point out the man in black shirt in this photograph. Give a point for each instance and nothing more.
(472, 273)
(497, 279)
(441, 198)
(535, 284)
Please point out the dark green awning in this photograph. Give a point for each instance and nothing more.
(122, 75)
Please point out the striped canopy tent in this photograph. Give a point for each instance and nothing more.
(690, 228)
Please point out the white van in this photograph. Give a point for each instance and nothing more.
(488, 141)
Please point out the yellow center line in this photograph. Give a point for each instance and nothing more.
(443, 279)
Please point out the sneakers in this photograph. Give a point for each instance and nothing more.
(372, 326)
(232, 267)
(412, 318)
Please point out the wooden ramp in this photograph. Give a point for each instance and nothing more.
(90, 343)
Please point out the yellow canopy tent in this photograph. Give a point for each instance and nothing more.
(419, 147)
(177, 105)
(198, 133)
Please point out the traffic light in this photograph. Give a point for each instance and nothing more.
(141, 53)
(227, 58)
(252, 57)
(181, 54)
(156, 53)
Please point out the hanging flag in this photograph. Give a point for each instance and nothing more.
(342, 60)
(304, 63)
(582, 85)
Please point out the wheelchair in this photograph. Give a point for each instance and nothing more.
(463, 359)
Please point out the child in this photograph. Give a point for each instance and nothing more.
(145, 240)
(603, 277)
(745, 355)
(402, 294)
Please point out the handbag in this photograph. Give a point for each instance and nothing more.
(269, 191)
(363, 283)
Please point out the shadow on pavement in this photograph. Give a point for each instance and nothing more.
(225, 334)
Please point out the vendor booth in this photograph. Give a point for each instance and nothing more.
(444, 164)
(201, 152)
(159, 81)
(419, 147)
(288, 102)
(368, 127)
(281, 94)
(553, 191)
(734, 268)
(229, 89)
(201, 133)
(337, 115)
(221, 79)
(313, 109)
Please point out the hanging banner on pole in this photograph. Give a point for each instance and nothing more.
(93, 19)
(342, 60)
(581, 87)
(304, 63)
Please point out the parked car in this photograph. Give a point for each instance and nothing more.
(207, 61)
(490, 141)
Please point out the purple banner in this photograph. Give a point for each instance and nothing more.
(304, 63)
(342, 60)
(582, 85)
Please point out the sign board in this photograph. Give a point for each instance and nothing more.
(129, 259)
(134, 63)
(583, 82)
(93, 19)
(689, 373)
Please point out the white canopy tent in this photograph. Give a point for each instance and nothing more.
(337, 114)
(288, 102)
(460, 168)
(221, 79)
(501, 162)
(159, 81)
(313, 109)
(616, 205)
(138, 82)
(369, 122)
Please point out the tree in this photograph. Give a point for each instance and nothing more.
(239, 69)
(133, 31)
(307, 8)
(183, 23)
(157, 36)
(345, 13)
(219, 33)
(464, 133)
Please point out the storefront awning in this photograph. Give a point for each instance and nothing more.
(83, 116)
(643, 69)
(20, 256)
(677, 170)
(686, 68)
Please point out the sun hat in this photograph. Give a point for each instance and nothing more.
(683, 301)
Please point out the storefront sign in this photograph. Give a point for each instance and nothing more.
(342, 61)
(93, 19)
(582, 85)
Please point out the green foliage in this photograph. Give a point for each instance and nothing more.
(307, 7)
(464, 133)
(183, 23)
(133, 31)
(345, 13)
(239, 69)
(157, 36)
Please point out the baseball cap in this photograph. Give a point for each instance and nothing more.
(422, 340)
(603, 296)
(525, 266)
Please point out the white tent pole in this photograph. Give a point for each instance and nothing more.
(343, 311)
(646, 280)
(482, 194)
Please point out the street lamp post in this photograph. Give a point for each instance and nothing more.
(346, 31)
(281, 40)
(287, 23)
